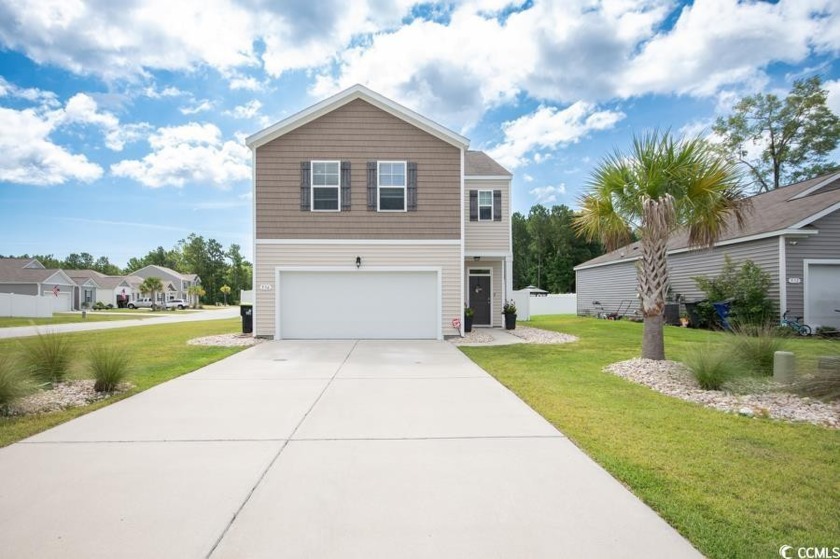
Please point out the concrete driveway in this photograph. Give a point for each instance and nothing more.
(320, 449)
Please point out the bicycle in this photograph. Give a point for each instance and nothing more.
(795, 325)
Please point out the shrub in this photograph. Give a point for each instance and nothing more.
(13, 383)
(99, 306)
(110, 366)
(754, 347)
(824, 385)
(48, 357)
(746, 286)
(711, 368)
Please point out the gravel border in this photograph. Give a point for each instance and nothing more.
(63, 395)
(475, 336)
(533, 335)
(674, 379)
(227, 340)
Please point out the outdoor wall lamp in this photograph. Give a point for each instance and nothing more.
(358, 261)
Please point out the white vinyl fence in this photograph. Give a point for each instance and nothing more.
(30, 306)
(556, 303)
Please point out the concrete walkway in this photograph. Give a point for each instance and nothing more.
(320, 449)
(148, 320)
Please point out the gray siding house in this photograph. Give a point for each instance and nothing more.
(792, 233)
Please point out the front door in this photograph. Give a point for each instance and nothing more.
(480, 299)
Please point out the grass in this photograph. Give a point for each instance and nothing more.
(735, 487)
(13, 382)
(109, 366)
(711, 368)
(62, 318)
(47, 356)
(159, 353)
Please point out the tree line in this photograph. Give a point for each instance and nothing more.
(546, 249)
(216, 266)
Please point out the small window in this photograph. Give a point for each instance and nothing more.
(325, 186)
(485, 205)
(391, 181)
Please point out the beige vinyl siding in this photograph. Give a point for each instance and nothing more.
(498, 288)
(271, 256)
(825, 246)
(613, 283)
(609, 285)
(358, 132)
(487, 236)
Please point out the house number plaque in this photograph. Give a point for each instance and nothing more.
(265, 287)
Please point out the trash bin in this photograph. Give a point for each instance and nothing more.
(247, 314)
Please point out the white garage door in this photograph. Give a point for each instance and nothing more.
(61, 303)
(823, 295)
(358, 305)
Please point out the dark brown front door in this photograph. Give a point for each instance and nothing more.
(480, 299)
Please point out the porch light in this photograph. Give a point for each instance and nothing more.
(358, 261)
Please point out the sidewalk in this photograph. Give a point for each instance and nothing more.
(161, 318)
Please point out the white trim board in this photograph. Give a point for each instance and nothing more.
(816, 187)
(728, 242)
(506, 178)
(406, 242)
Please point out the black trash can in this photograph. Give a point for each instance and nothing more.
(247, 314)
(694, 319)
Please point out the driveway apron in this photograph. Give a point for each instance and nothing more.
(321, 449)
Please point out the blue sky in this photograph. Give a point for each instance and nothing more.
(122, 124)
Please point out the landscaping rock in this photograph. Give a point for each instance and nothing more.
(63, 395)
(227, 340)
(674, 379)
(539, 336)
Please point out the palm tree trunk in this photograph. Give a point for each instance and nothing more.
(652, 272)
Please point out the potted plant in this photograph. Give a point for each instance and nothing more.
(468, 318)
(509, 310)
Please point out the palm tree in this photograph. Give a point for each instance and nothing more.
(151, 286)
(196, 292)
(661, 186)
(225, 289)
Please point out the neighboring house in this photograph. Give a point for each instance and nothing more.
(27, 276)
(84, 296)
(106, 289)
(372, 221)
(792, 233)
(176, 284)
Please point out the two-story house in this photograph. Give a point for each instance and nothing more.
(372, 221)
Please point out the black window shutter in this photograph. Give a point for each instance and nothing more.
(371, 185)
(412, 187)
(473, 205)
(497, 205)
(305, 185)
(345, 186)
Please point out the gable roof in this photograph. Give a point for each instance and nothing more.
(479, 164)
(348, 95)
(784, 211)
(29, 263)
(101, 280)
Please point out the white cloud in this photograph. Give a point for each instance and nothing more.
(197, 107)
(527, 178)
(32, 94)
(549, 128)
(248, 110)
(192, 153)
(833, 98)
(247, 83)
(548, 194)
(28, 156)
(170, 91)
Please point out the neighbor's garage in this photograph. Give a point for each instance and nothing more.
(358, 304)
(822, 293)
(61, 300)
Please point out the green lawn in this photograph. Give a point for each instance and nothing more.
(160, 353)
(735, 487)
(65, 318)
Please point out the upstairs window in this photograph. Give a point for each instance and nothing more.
(325, 186)
(391, 186)
(485, 205)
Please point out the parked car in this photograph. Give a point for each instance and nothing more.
(179, 304)
(144, 303)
